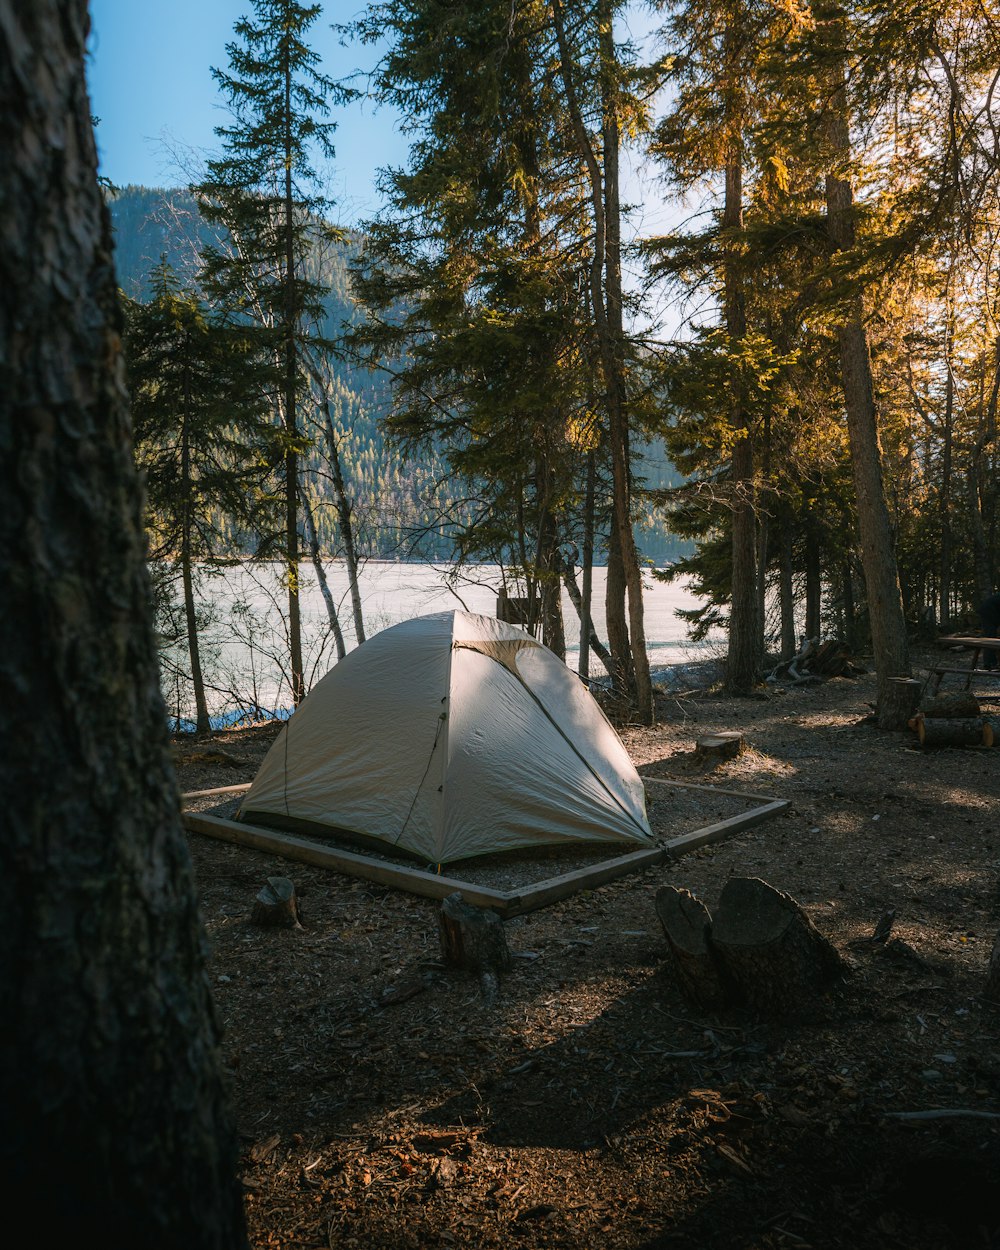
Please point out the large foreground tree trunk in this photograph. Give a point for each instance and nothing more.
(114, 1131)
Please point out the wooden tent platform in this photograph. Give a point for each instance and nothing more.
(506, 903)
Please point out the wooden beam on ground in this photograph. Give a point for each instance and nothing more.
(532, 897)
(724, 828)
(694, 785)
(204, 794)
(413, 880)
(506, 903)
(557, 888)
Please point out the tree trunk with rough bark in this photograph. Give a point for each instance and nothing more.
(743, 662)
(115, 1128)
(631, 676)
(786, 596)
(203, 722)
(291, 388)
(312, 540)
(885, 607)
(584, 608)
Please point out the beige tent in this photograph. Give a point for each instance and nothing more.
(450, 736)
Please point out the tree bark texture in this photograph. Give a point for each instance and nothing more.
(686, 924)
(954, 731)
(474, 939)
(113, 1128)
(743, 662)
(991, 990)
(786, 598)
(962, 703)
(203, 723)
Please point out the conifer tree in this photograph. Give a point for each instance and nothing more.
(598, 106)
(262, 194)
(472, 299)
(709, 131)
(199, 390)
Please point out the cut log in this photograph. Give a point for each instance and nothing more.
(902, 696)
(277, 905)
(954, 731)
(770, 949)
(473, 939)
(721, 746)
(687, 923)
(947, 706)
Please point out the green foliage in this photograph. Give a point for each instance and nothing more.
(199, 397)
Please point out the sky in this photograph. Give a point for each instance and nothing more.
(149, 74)
(151, 87)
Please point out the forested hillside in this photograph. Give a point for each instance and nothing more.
(401, 505)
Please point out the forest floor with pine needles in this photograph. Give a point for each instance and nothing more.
(382, 1102)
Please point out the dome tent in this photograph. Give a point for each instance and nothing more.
(450, 736)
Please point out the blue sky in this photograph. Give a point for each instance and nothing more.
(150, 82)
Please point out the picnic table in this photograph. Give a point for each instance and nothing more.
(978, 646)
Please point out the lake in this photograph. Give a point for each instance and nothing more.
(244, 643)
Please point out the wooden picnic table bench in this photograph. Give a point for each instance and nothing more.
(978, 646)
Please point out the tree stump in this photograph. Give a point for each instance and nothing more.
(277, 905)
(687, 923)
(770, 949)
(946, 706)
(901, 699)
(957, 731)
(474, 940)
(721, 746)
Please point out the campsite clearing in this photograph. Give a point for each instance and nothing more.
(382, 1103)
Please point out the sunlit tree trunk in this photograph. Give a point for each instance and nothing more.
(743, 664)
(626, 634)
(885, 608)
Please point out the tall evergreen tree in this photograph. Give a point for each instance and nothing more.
(199, 390)
(598, 108)
(708, 131)
(262, 194)
(470, 285)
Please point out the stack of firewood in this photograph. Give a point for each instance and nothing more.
(954, 720)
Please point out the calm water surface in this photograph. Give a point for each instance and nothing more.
(246, 641)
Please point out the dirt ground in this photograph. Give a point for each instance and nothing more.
(382, 1102)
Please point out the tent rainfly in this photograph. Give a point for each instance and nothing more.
(450, 736)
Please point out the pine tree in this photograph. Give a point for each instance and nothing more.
(474, 301)
(261, 193)
(199, 404)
